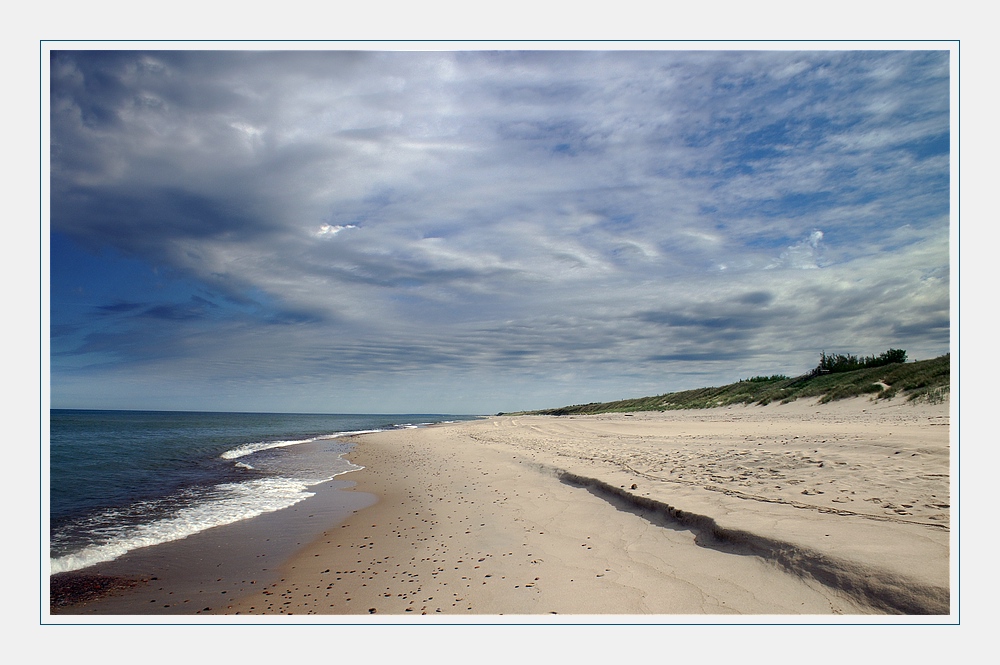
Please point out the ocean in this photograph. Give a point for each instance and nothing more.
(122, 480)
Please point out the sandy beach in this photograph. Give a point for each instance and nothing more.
(794, 509)
(797, 509)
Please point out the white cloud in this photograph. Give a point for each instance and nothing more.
(328, 230)
(804, 255)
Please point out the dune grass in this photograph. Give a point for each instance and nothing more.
(928, 380)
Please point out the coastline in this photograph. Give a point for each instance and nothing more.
(208, 570)
(798, 509)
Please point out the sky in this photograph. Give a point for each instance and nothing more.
(481, 231)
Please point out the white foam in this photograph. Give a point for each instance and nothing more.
(231, 502)
(251, 448)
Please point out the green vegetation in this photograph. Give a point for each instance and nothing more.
(761, 379)
(842, 363)
(928, 380)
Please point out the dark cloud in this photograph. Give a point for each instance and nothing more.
(177, 312)
(118, 308)
(696, 357)
(756, 298)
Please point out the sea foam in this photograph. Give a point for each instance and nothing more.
(251, 448)
(228, 503)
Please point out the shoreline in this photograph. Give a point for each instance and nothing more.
(207, 570)
(730, 511)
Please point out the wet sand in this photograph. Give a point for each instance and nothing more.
(799, 509)
(205, 572)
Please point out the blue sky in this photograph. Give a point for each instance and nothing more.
(482, 231)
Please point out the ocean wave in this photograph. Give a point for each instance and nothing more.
(251, 448)
(228, 503)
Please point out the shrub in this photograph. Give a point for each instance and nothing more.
(829, 364)
(764, 379)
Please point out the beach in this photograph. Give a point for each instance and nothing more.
(794, 509)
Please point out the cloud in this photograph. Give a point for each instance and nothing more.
(803, 255)
(497, 214)
(327, 230)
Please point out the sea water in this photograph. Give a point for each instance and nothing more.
(121, 480)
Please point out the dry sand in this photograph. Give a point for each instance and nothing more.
(779, 510)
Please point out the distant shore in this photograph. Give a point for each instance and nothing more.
(796, 509)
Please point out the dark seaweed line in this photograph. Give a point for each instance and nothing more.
(880, 590)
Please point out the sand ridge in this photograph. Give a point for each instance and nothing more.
(826, 459)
